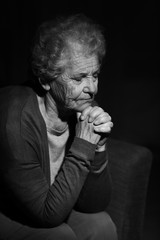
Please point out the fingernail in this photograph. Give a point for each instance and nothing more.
(82, 117)
(96, 122)
(90, 120)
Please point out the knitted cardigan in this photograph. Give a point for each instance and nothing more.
(27, 195)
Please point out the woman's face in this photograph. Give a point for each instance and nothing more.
(76, 88)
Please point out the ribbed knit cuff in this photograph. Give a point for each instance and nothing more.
(100, 161)
(84, 149)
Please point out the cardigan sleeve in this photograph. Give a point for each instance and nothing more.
(48, 204)
(96, 192)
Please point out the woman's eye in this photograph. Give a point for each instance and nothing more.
(77, 79)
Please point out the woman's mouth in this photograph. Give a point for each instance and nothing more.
(86, 100)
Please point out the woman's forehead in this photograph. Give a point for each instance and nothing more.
(85, 64)
(79, 62)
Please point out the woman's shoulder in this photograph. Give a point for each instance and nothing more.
(16, 91)
(15, 95)
(14, 99)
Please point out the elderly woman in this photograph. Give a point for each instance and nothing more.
(55, 182)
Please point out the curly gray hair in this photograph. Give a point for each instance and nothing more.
(53, 38)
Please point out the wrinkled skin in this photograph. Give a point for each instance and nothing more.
(75, 90)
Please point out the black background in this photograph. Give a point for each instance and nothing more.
(129, 84)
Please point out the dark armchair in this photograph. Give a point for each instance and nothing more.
(130, 167)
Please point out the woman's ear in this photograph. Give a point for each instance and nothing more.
(45, 86)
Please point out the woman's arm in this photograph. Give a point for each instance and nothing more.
(48, 204)
(96, 192)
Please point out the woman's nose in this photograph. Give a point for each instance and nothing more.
(91, 86)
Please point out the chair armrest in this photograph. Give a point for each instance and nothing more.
(130, 170)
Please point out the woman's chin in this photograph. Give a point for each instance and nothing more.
(80, 108)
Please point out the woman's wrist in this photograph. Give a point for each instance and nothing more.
(100, 148)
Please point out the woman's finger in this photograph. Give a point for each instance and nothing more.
(104, 128)
(102, 118)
